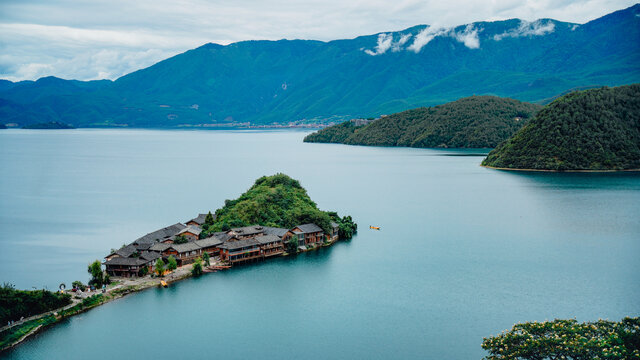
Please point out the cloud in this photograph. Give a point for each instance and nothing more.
(535, 28)
(424, 37)
(468, 36)
(397, 46)
(384, 44)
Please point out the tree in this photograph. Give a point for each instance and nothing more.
(197, 267)
(143, 271)
(292, 245)
(79, 285)
(208, 220)
(180, 239)
(206, 258)
(172, 264)
(160, 267)
(95, 269)
(567, 339)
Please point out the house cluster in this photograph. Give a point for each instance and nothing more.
(234, 246)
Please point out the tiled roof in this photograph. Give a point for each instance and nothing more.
(279, 232)
(200, 219)
(126, 261)
(266, 239)
(309, 228)
(233, 245)
(207, 242)
(192, 229)
(161, 234)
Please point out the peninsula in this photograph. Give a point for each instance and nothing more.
(275, 217)
(591, 130)
(472, 122)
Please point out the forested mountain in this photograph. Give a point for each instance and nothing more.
(265, 82)
(473, 122)
(595, 129)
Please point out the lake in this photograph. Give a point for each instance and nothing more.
(464, 252)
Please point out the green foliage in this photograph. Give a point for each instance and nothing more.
(160, 267)
(97, 276)
(208, 220)
(180, 239)
(172, 264)
(10, 336)
(196, 270)
(567, 339)
(143, 271)
(473, 122)
(79, 285)
(206, 259)
(277, 201)
(292, 245)
(595, 129)
(338, 134)
(15, 304)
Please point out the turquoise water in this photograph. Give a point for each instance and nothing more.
(464, 252)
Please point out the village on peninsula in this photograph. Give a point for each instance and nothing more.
(225, 248)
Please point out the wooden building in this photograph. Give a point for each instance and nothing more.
(191, 232)
(239, 251)
(270, 245)
(307, 234)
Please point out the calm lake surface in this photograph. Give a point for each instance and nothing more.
(464, 252)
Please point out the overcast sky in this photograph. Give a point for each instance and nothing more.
(105, 39)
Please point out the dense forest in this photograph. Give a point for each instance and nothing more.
(15, 304)
(596, 129)
(472, 122)
(277, 201)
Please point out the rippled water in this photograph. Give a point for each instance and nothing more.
(464, 252)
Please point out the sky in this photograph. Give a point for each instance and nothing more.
(105, 39)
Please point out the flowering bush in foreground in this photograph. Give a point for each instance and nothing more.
(567, 340)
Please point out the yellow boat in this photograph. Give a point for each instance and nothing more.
(163, 283)
(374, 227)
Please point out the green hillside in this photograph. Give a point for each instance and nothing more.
(595, 129)
(473, 122)
(277, 201)
(307, 81)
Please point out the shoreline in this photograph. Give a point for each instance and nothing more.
(560, 171)
(118, 291)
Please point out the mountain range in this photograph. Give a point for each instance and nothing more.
(267, 82)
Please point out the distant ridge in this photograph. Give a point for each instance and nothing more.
(266, 82)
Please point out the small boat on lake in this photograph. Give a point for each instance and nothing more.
(374, 227)
(163, 283)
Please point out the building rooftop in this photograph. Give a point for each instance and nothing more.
(279, 232)
(126, 261)
(239, 244)
(207, 242)
(200, 219)
(309, 228)
(160, 235)
(196, 230)
(266, 239)
(247, 230)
